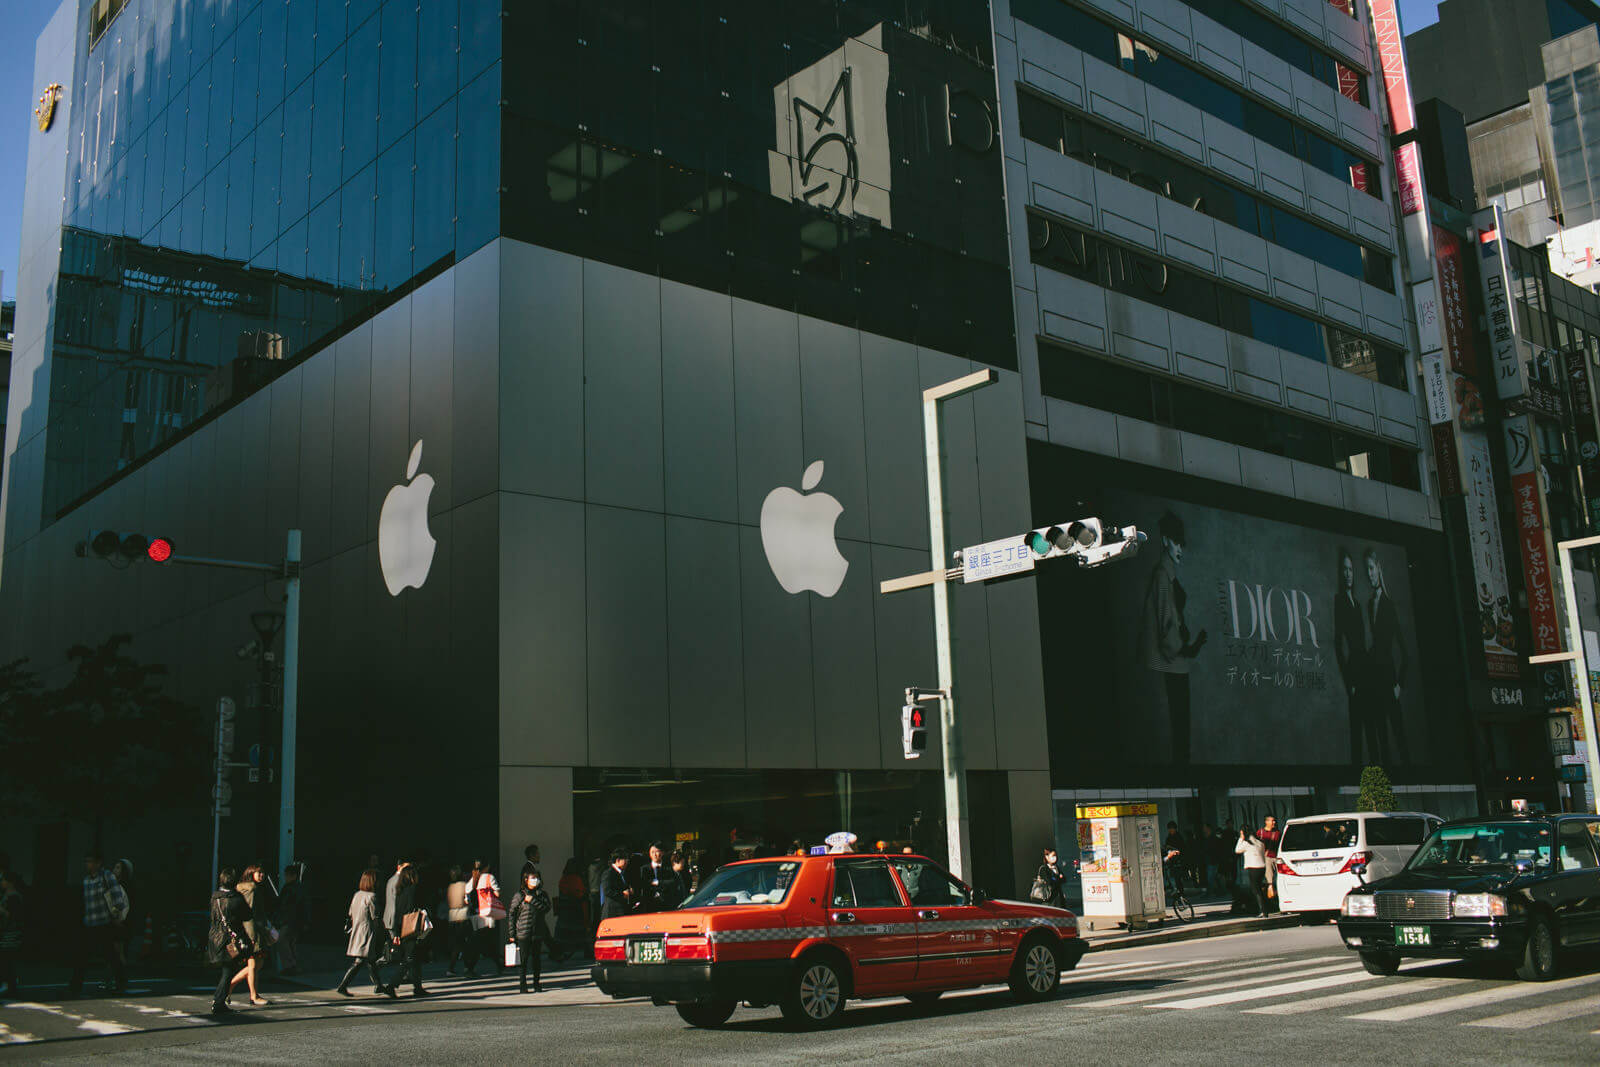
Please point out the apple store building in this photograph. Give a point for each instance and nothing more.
(584, 344)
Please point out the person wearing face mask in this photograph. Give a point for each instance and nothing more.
(1166, 647)
(525, 916)
(1047, 881)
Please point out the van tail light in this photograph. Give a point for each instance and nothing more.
(690, 947)
(613, 948)
(1355, 858)
(1284, 868)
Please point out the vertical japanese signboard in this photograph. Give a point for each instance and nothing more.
(1505, 345)
(1528, 506)
(1488, 560)
(1455, 319)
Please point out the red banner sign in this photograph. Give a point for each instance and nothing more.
(1392, 57)
(1458, 332)
(1536, 574)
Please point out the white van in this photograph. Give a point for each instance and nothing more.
(1317, 853)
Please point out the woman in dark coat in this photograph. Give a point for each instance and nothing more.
(229, 947)
(368, 938)
(527, 928)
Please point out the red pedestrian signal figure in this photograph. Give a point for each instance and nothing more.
(913, 731)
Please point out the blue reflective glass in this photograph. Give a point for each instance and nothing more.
(397, 71)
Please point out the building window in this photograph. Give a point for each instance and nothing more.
(104, 13)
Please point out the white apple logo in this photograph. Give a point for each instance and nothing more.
(797, 534)
(405, 547)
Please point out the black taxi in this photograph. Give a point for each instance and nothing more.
(1519, 888)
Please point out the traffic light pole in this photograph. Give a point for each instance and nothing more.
(956, 817)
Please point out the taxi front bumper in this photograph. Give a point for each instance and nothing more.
(759, 981)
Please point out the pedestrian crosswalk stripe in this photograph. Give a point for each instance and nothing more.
(1388, 991)
(1253, 976)
(1476, 999)
(1203, 974)
(1131, 972)
(1548, 1013)
(1261, 993)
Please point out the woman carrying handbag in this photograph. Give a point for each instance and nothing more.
(527, 929)
(483, 890)
(368, 938)
(228, 947)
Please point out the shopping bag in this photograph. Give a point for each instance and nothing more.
(513, 954)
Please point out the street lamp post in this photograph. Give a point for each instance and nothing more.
(1576, 656)
(957, 821)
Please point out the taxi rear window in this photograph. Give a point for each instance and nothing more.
(748, 883)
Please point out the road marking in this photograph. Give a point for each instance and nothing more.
(1256, 976)
(1237, 995)
(1339, 1000)
(1528, 1018)
(1132, 972)
(367, 1009)
(1492, 995)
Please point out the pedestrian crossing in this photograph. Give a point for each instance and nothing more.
(1337, 985)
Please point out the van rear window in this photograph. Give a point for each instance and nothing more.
(1320, 834)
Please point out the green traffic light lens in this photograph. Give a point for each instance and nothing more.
(1037, 544)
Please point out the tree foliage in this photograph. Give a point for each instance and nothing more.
(1377, 794)
(110, 741)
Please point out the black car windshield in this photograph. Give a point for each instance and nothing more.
(1489, 844)
(748, 883)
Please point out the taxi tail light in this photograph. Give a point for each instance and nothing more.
(610, 949)
(693, 947)
(1284, 868)
(1355, 858)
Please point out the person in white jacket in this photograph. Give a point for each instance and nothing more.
(1255, 867)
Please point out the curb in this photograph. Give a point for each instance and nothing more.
(1195, 932)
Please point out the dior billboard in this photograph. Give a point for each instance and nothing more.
(1301, 650)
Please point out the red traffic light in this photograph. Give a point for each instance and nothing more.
(159, 550)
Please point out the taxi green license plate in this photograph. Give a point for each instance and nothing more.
(1413, 935)
(647, 952)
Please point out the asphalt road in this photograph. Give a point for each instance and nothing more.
(1287, 996)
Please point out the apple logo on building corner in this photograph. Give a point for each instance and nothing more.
(797, 535)
(405, 547)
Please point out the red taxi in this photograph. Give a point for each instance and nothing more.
(808, 932)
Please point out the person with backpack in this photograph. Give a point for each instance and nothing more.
(228, 947)
(105, 906)
(368, 938)
(527, 928)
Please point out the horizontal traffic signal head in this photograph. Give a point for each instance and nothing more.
(124, 547)
(1089, 541)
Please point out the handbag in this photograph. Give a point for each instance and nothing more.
(1041, 891)
(490, 906)
(416, 924)
(513, 954)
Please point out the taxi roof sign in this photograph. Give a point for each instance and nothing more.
(819, 850)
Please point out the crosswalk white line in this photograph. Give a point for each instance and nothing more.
(1263, 992)
(9, 1036)
(1387, 991)
(1132, 973)
(1528, 1018)
(1256, 976)
(1188, 973)
(1477, 999)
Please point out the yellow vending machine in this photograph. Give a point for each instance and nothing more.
(1119, 861)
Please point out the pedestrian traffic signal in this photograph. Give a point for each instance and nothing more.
(121, 547)
(913, 731)
(1089, 541)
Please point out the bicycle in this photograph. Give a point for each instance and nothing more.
(1179, 904)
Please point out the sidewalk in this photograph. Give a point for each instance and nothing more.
(1211, 919)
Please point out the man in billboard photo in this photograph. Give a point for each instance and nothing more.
(1350, 648)
(1165, 645)
(1386, 669)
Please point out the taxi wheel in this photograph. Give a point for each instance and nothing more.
(1037, 973)
(1539, 958)
(815, 998)
(706, 1014)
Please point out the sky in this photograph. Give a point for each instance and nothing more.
(24, 19)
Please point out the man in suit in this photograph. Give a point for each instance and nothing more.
(1386, 668)
(616, 896)
(657, 884)
(391, 890)
(1350, 647)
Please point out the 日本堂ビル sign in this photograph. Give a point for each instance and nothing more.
(1505, 342)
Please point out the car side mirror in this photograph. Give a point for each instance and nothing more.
(1360, 871)
(979, 898)
(1523, 866)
